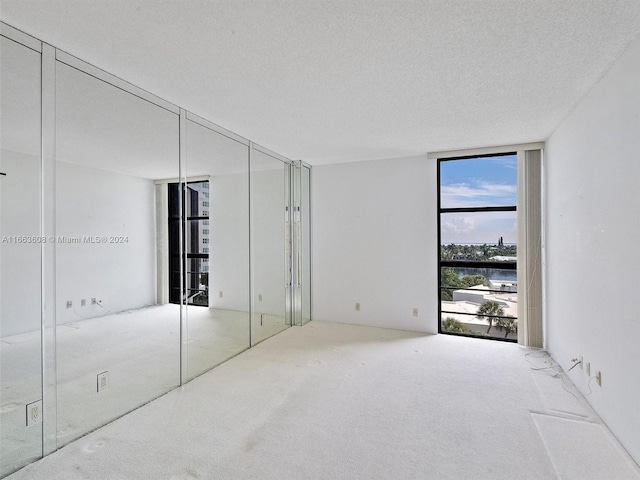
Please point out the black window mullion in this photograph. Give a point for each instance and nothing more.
(505, 208)
(477, 264)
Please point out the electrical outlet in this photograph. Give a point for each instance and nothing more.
(357, 307)
(415, 312)
(93, 300)
(220, 294)
(103, 381)
(83, 302)
(69, 304)
(34, 413)
(599, 378)
(260, 297)
(587, 368)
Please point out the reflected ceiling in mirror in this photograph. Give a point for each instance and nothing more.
(102, 126)
(211, 153)
(262, 161)
(20, 98)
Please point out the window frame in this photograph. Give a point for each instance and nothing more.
(510, 265)
(185, 216)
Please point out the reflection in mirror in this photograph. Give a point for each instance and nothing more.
(118, 341)
(269, 178)
(20, 193)
(301, 244)
(146, 252)
(305, 242)
(216, 239)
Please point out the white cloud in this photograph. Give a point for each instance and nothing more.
(480, 227)
(506, 162)
(458, 225)
(479, 194)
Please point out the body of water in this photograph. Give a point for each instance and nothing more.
(489, 273)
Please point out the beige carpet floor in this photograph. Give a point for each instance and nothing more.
(334, 401)
(140, 350)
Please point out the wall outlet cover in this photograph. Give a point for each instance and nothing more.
(103, 382)
(34, 413)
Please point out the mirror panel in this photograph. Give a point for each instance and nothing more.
(118, 343)
(269, 177)
(216, 189)
(20, 256)
(301, 244)
(305, 242)
(149, 247)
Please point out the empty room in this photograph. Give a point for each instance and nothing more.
(319, 239)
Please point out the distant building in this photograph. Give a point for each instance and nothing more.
(481, 293)
(474, 294)
(510, 286)
(503, 258)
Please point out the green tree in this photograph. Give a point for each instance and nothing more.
(449, 278)
(490, 311)
(452, 325)
(473, 280)
(508, 324)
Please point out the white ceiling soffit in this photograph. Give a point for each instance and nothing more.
(330, 81)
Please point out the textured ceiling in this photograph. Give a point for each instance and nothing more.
(343, 80)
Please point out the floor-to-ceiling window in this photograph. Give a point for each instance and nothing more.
(478, 246)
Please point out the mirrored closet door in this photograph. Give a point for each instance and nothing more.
(20, 257)
(118, 343)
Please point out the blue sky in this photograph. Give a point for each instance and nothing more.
(478, 182)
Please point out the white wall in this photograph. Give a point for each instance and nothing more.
(229, 240)
(592, 210)
(268, 240)
(95, 202)
(375, 242)
(19, 262)
(20, 188)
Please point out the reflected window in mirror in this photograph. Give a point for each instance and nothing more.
(190, 284)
